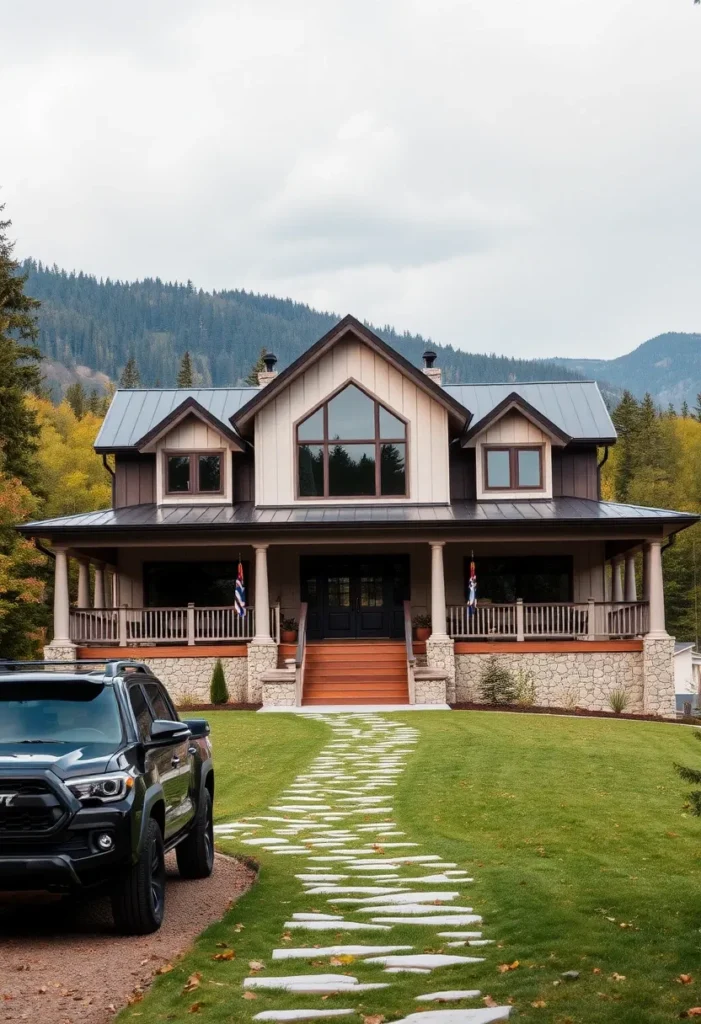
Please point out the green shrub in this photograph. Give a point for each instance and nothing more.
(218, 693)
(421, 622)
(525, 688)
(618, 700)
(497, 684)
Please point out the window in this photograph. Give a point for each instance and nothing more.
(194, 473)
(351, 447)
(205, 584)
(142, 712)
(513, 469)
(533, 579)
(159, 703)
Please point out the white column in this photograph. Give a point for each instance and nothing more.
(61, 603)
(261, 602)
(99, 598)
(656, 585)
(616, 580)
(646, 573)
(438, 618)
(83, 583)
(629, 586)
(108, 588)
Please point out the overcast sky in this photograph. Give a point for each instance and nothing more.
(519, 176)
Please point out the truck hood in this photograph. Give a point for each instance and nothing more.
(88, 759)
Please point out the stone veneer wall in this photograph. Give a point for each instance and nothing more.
(440, 654)
(565, 680)
(658, 673)
(429, 691)
(187, 679)
(261, 659)
(280, 694)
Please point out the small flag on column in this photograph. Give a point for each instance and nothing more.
(472, 589)
(240, 593)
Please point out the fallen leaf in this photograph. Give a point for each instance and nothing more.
(192, 982)
(228, 954)
(618, 977)
(488, 1001)
(136, 997)
(256, 965)
(685, 979)
(238, 927)
(165, 969)
(345, 958)
(376, 1018)
(503, 968)
(195, 1008)
(250, 995)
(695, 1011)
(222, 945)
(287, 936)
(539, 1004)
(596, 970)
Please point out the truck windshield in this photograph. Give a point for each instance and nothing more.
(55, 713)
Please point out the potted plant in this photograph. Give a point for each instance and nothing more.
(288, 629)
(422, 627)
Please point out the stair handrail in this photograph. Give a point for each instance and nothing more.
(301, 653)
(410, 656)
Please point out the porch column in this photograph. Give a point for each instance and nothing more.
(108, 589)
(61, 601)
(646, 572)
(83, 583)
(656, 589)
(630, 588)
(616, 579)
(262, 599)
(99, 596)
(438, 615)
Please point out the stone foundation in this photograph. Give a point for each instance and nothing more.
(187, 679)
(440, 655)
(429, 691)
(261, 659)
(279, 693)
(60, 652)
(572, 679)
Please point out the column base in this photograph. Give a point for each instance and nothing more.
(262, 657)
(659, 697)
(60, 650)
(440, 655)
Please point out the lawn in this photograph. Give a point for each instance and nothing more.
(583, 857)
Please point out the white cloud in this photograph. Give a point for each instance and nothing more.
(502, 176)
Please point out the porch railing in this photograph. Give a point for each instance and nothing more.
(548, 621)
(183, 625)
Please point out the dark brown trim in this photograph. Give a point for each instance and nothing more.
(189, 405)
(515, 401)
(170, 453)
(513, 450)
(349, 324)
(326, 442)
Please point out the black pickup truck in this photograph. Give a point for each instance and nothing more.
(99, 778)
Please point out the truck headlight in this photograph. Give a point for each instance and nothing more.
(105, 788)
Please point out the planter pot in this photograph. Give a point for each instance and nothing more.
(289, 636)
(422, 632)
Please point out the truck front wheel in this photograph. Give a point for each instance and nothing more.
(196, 852)
(138, 898)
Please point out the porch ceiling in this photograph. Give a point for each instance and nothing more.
(529, 516)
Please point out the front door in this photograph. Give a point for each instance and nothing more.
(355, 597)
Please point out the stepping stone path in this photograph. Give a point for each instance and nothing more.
(326, 812)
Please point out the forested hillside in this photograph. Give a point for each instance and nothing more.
(100, 324)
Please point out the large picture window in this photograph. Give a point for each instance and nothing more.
(351, 447)
(513, 469)
(532, 578)
(193, 473)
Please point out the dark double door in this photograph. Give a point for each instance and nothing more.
(355, 596)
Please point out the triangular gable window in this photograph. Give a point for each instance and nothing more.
(351, 447)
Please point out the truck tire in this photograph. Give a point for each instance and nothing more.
(138, 898)
(196, 852)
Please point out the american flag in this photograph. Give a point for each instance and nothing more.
(472, 590)
(240, 593)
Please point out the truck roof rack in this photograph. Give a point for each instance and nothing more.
(113, 666)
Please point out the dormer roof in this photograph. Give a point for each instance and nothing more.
(188, 407)
(511, 402)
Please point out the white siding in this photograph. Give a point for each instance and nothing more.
(427, 429)
(191, 434)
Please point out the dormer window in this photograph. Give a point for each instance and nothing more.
(513, 468)
(351, 447)
(193, 472)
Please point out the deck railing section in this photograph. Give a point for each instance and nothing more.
(189, 625)
(549, 621)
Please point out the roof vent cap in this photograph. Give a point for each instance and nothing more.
(429, 359)
(269, 359)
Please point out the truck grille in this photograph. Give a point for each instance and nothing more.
(28, 806)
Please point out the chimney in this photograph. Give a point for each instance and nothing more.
(434, 372)
(269, 373)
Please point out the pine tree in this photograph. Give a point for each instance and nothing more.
(77, 399)
(626, 418)
(218, 693)
(685, 410)
(692, 775)
(697, 408)
(95, 403)
(19, 367)
(131, 378)
(185, 378)
(258, 367)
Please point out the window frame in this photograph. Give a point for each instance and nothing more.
(193, 454)
(326, 443)
(514, 483)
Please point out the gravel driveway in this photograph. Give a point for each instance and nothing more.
(64, 964)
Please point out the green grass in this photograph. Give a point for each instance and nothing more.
(571, 828)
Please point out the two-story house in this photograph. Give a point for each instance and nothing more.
(356, 490)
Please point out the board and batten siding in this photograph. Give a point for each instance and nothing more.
(514, 429)
(134, 480)
(427, 426)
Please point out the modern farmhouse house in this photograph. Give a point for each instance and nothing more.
(356, 491)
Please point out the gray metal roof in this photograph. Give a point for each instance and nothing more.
(576, 407)
(134, 412)
(245, 515)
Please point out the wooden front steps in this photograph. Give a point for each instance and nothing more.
(355, 672)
